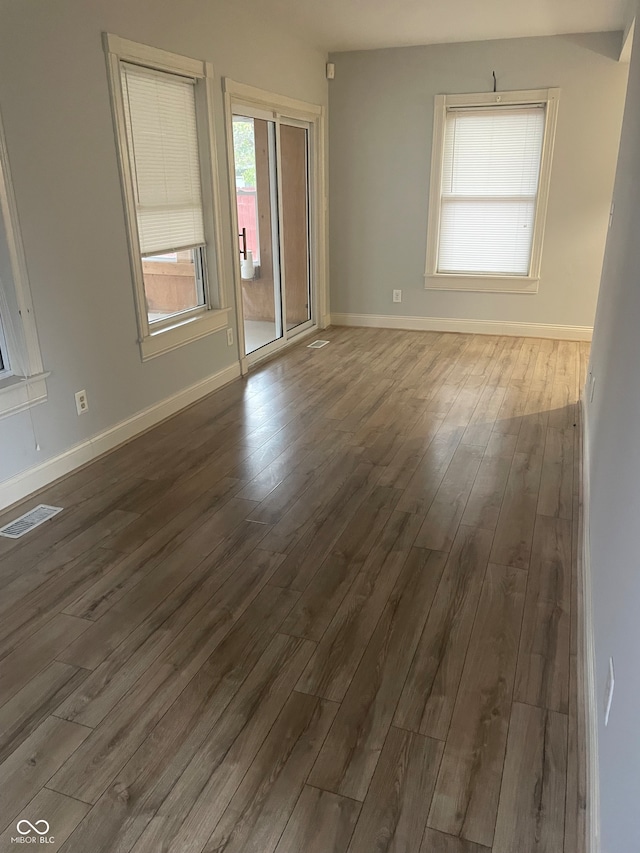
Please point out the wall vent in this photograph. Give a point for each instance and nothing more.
(317, 344)
(27, 522)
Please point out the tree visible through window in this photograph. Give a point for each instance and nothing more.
(244, 151)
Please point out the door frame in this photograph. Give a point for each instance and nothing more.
(286, 110)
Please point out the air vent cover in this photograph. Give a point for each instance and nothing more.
(317, 344)
(33, 518)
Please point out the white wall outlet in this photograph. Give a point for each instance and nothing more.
(82, 404)
(397, 296)
(608, 692)
(229, 337)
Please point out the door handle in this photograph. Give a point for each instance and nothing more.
(243, 236)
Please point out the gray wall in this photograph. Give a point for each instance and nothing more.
(381, 121)
(55, 106)
(613, 457)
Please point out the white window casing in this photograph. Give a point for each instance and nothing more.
(490, 176)
(163, 117)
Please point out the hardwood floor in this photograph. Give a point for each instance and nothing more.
(329, 609)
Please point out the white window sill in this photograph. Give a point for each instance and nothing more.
(18, 393)
(171, 337)
(482, 283)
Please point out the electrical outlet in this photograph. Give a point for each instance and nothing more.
(608, 692)
(82, 404)
(229, 337)
(397, 296)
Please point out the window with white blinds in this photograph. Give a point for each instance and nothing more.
(162, 139)
(490, 180)
(166, 146)
(490, 177)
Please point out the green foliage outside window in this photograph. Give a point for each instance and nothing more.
(245, 152)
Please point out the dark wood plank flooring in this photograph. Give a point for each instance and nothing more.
(330, 608)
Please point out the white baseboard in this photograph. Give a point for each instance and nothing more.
(588, 640)
(476, 327)
(35, 478)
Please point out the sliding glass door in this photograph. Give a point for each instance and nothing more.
(272, 188)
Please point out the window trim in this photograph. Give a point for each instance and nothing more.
(479, 282)
(23, 383)
(214, 314)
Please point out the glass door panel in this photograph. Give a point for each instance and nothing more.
(256, 198)
(294, 188)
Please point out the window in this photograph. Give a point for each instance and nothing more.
(22, 379)
(162, 107)
(491, 166)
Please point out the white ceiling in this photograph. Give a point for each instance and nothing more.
(361, 24)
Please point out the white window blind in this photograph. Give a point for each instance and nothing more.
(490, 177)
(160, 114)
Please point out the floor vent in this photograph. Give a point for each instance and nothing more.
(29, 521)
(317, 344)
